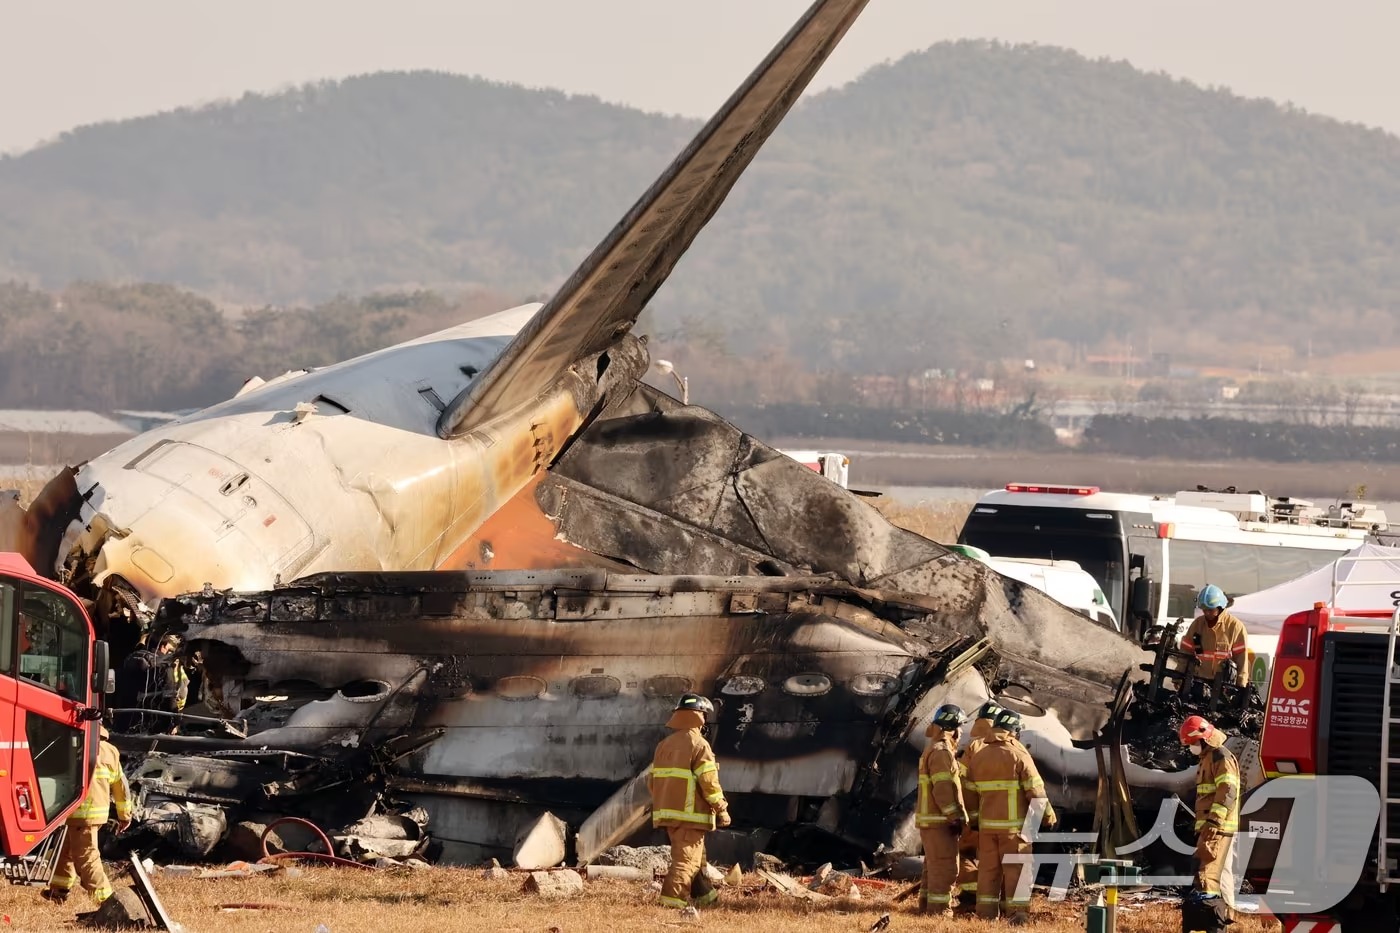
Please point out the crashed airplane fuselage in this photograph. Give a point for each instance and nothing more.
(827, 636)
(526, 442)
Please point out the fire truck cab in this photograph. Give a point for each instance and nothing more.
(1333, 708)
(53, 677)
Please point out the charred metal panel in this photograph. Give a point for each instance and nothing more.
(687, 464)
(625, 531)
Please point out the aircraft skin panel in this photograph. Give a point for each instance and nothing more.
(604, 296)
(373, 496)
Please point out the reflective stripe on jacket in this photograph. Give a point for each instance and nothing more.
(1219, 643)
(684, 779)
(1002, 780)
(108, 787)
(1218, 791)
(940, 784)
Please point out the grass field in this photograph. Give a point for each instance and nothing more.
(442, 900)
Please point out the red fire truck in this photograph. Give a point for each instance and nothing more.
(1334, 709)
(54, 674)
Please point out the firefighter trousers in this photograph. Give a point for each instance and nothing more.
(80, 861)
(967, 866)
(686, 878)
(1212, 852)
(940, 868)
(997, 878)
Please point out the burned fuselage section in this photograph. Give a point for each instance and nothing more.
(549, 689)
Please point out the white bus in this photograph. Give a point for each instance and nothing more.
(1152, 554)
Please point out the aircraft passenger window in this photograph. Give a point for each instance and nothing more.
(53, 649)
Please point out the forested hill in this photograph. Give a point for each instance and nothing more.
(961, 198)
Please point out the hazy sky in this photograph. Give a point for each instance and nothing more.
(68, 62)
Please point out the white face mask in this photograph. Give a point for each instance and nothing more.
(1197, 748)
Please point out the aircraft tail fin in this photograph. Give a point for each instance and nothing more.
(601, 300)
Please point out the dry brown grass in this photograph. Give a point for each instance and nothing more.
(938, 521)
(28, 488)
(442, 900)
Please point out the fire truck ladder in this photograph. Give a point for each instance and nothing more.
(1386, 870)
(1387, 866)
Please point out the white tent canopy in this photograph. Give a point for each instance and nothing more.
(1371, 574)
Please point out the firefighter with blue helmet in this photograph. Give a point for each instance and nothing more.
(941, 814)
(687, 801)
(1217, 636)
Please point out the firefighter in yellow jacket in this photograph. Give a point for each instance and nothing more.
(1002, 781)
(80, 859)
(1221, 636)
(687, 801)
(1217, 800)
(967, 845)
(941, 815)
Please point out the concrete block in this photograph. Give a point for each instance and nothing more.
(541, 843)
(564, 883)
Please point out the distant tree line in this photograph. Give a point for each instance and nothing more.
(1221, 438)
(973, 201)
(966, 429)
(105, 347)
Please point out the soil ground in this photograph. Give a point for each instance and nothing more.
(444, 899)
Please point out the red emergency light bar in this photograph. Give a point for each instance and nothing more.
(1056, 490)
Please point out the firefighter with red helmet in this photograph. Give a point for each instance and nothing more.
(941, 815)
(687, 801)
(1217, 800)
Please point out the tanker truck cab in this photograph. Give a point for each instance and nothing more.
(1151, 555)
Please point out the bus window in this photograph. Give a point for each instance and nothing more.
(1281, 564)
(1238, 569)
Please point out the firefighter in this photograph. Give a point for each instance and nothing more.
(1217, 800)
(1220, 634)
(80, 859)
(941, 815)
(687, 801)
(967, 845)
(152, 680)
(1002, 781)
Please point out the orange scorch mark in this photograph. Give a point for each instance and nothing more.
(520, 537)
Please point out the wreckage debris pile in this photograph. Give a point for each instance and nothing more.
(1151, 725)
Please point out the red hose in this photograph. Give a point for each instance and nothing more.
(329, 856)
